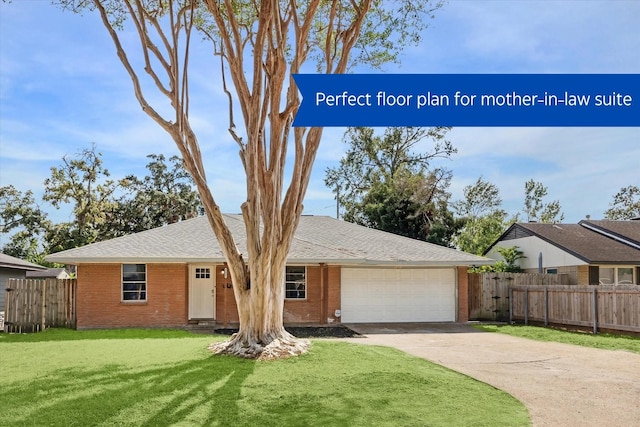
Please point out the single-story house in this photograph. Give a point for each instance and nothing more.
(591, 252)
(337, 272)
(13, 268)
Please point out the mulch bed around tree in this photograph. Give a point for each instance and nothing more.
(308, 331)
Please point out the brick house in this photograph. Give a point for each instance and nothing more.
(591, 252)
(337, 272)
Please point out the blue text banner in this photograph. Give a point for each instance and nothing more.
(468, 100)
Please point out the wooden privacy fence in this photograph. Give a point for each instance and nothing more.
(489, 292)
(33, 305)
(598, 307)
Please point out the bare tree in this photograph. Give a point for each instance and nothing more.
(261, 44)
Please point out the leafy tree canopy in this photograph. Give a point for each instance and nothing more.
(481, 198)
(165, 196)
(534, 207)
(385, 182)
(102, 208)
(625, 204)
(20, 215)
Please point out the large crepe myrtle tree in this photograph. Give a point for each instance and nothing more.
(260, 45)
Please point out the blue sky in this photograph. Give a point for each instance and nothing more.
(62, 89)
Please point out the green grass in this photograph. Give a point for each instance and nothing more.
(604, 341)
(158, 378)
(62, 334)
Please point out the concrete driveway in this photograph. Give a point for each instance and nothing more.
(560, 384)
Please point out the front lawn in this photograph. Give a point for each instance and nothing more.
(605, 341)
(157, 378)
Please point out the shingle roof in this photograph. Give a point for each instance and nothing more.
(8, 261)
(582, 242)
(48, 273)
(318, 239)
(625, 231)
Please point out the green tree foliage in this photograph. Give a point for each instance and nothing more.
(82, 182)
(511, 256)
(625, 204)
(484, 220)
(19, 209)
(509, 263)
(385, 182)
(20, 215)
(102, 208)
(480, 232)
(166, 195)
(481, 198)
(534, 207)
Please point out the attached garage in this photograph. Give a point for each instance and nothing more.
(372, 295)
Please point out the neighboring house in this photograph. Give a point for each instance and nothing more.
(49, 273)
(590, 252)
(13, 268)
(337, 272)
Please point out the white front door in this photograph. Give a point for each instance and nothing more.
(202, 291)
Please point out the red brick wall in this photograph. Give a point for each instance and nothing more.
(99, 297)
(306, 310)
(226, 308)
(323, 298)
(463, 295)
(334, 275)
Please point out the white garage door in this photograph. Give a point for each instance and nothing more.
(398, 295)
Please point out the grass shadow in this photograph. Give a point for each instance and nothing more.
(198, 392)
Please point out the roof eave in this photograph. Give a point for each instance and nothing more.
(132, 260)
(22, 267)
(410, 263)
(306, 261)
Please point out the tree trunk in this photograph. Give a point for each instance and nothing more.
(258, 283)
(260, 309)
(270, 220)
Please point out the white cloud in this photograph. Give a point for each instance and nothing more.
(62, 87)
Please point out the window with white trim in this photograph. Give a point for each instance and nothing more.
(134, 282)
(295, 286)
(616, 276)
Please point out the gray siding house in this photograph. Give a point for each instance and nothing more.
(14, 268)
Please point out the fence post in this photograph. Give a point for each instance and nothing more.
(44, 305)
(546, 306)
(526, 305)
(595, 310)
(510, 305)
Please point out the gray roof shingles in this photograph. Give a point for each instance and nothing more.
(8, 261)
(317, 239)
(628, 231)
(589, 245)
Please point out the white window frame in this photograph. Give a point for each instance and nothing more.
(616, 273)
(304, 284)
(142, 285)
